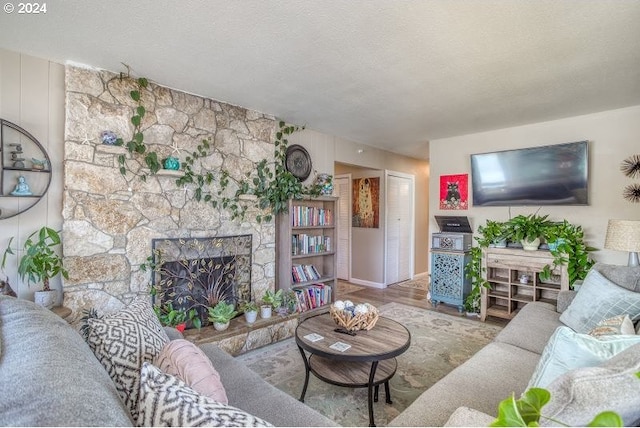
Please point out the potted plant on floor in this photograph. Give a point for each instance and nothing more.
(221, 314)
(40, 263)
(250, 310)
(270, 300)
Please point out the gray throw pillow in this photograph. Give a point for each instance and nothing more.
(599, 299)
(579, 395)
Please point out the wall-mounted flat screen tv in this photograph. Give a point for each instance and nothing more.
(545, 175)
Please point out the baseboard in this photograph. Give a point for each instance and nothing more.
(366, 283)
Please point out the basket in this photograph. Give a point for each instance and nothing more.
(349, 322)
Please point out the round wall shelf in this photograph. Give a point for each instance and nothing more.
(25, 170)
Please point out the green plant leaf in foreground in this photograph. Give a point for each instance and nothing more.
(508, 414)
(606, 419)
(523, 412)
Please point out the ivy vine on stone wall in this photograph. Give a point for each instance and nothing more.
(268, 187)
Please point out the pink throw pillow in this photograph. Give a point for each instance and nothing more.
(187, 362)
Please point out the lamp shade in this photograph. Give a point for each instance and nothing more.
(623, 235)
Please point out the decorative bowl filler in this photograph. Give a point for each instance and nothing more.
(353, 317)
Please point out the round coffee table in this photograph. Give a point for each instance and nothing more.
(367, 363)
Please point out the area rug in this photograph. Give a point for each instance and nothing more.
(419, 282)
(439, 343)
(345, 287)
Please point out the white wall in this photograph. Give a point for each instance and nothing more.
(613, 136)
(32, 96)
(368, 244)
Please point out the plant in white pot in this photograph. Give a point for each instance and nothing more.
(40, 262)
(221, 314)
(271, 300)
(250, 310)
(528, 229)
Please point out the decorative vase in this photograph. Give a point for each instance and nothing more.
(501, 243)
(171, 163)
(108, 137)
(46, 298)
(554, 245)
(251, 316)
(221, 326)
(265, 311)
(325, 181)
(530, 245)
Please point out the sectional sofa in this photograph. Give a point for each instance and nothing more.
(50, 376)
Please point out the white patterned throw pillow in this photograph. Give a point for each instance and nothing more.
(599, 299)
(166, 401)
(122, 342)
(621, 324)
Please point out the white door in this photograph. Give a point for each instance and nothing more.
(342, 189)
(399, 227)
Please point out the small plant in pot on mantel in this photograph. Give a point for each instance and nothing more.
(271, 300)
(250, 310)
(40, 263)
(221, 314)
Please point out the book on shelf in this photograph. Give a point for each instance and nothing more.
(301, 243)
(312, 296)
(304, 273)
(302, 215)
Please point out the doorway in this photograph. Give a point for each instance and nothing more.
(399, 228)
(342, 189)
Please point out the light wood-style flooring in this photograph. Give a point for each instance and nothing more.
(408, 296)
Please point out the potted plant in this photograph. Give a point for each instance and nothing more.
(250, 310)
(178, 318)
(270, 300)
(40, 263)
(528, 229)
(171, 317)
(495, 233)
(221, 314)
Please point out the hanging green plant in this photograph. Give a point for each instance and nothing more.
(272, 185)
(136, 145)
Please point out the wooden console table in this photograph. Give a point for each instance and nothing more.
(504, 269)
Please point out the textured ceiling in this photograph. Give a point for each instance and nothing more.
(389, 74)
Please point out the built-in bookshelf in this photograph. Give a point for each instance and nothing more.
(306, 251)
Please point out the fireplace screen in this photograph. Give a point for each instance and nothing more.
(197, 273)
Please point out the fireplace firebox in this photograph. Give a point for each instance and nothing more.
(197, 273)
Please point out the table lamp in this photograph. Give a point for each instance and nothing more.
(624, 235)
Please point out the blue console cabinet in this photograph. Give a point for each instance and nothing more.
(448, 280)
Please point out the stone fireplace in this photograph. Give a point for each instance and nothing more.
(197, 273)
(111, 220)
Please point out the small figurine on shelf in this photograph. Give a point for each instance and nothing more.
(16, 155)
(22, 188)
(109, 137)
(39, 164)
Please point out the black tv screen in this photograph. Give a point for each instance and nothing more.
(545, 175)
